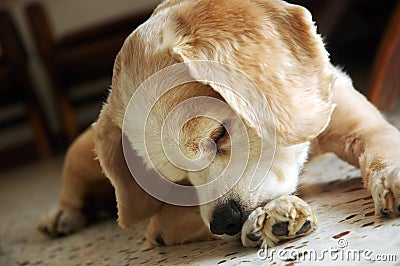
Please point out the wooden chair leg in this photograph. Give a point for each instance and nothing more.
(67, 114)
(41, 133)
(385, 84)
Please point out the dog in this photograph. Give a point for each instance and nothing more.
(265, 84)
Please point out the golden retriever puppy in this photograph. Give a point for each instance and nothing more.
(214, 107)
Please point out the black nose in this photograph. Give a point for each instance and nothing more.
(226, 219)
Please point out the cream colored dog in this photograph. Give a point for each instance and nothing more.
(313, 108)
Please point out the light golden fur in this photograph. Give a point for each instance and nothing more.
(276, 45)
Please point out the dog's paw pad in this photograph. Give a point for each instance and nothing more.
(307, 226)
(280, 229)
(281, 219)
(62, 222)
(253, 237)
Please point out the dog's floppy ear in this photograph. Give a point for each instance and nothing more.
(133, 203)
(276, 46)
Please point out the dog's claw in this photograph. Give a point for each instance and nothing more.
(385, 189)
(160, 240)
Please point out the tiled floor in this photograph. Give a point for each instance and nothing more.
(333, 189)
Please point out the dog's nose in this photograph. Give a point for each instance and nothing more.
(226, 219)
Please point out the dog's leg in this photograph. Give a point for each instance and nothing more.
(80, 171)
(360, 135)
(283, 218)
(133, 203)
(177, 225)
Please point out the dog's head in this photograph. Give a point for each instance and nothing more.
(287, 103)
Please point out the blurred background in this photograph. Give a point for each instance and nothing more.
(56, 60)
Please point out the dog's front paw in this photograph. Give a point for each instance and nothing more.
(385, 189)
(284, 218)
(63, 221)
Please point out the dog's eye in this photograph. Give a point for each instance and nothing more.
(219, 133)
